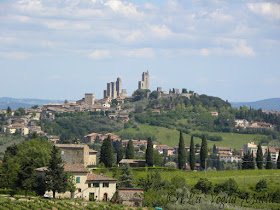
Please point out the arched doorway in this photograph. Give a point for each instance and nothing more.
(105, 197)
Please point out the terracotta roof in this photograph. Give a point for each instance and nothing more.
(71, 145)
(68, 167)
(272, 150)
(97, 177)
(75, 168)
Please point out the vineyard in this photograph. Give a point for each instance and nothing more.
(37, 203)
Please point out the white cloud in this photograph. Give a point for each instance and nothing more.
(267, 9)
(205, 52)
(139, 53)
(125, 8)
(100, 54)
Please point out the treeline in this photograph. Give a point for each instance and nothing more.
(69, 126)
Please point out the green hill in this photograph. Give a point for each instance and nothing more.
(170, 137)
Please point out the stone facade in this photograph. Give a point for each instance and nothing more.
(145, 82)
(77, 154)
(89, 99)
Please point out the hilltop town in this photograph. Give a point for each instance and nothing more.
(83, 129)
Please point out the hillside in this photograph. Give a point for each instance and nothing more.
(15, 103)
(266, 104)
(170, 137)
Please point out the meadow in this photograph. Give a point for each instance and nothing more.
(170, 137)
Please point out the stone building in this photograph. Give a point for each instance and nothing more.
(131, 196)
(114, 89)
(77, 154)
(145, 82)
(89, 99)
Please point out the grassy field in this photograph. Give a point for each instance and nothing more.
(171, 137)
(246, 179)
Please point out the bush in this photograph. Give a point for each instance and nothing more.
(230, 187)
(261, 185)
(203, 185)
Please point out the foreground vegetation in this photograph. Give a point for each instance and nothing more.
(24, 203)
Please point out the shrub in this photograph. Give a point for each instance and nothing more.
(204, 185)
(230, 187)
(261, 185)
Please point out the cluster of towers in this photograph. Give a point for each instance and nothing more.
(114, 89)
(145, 82)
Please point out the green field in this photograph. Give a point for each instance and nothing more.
(171, 137)
(246, 179)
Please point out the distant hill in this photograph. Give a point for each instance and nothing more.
(15, 103)
(266, 104)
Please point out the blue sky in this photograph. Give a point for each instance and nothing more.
(64, 48)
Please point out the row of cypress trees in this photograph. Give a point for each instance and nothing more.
(107, 152)
(182, 157)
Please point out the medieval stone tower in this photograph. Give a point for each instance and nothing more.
(145, 82)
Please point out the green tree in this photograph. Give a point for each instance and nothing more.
(215, 149)
(203, 152)
(278, 161)
(248, 161)
(120, 154)
(150, 153)
(154, 95)
(56, 177)
(192, 155)
(107, 152)
(9, 110)
(259, 158)
(158, 158)
(268, 160)
(129, 152)
(140, 94)
(182, 158)
(126, 179)
(204, 185)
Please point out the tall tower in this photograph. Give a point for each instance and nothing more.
(119, 87)
(113, 90)
(145, 82)
(89, 99)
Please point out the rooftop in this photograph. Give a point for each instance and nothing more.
(97, 177)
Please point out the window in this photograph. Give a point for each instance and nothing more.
(62, 152)
(77, 179)
(89, 185)
(79, 190)
(105, 184)
(95, 184)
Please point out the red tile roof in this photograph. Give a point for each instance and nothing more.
(97, 177)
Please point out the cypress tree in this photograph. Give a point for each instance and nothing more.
(192, 155)
(203, 152)
(107, 152)
(182, 158)
(129, 152)
(278, 161)
(214, 149)
(268, 160)
(252, 161)
(120, 154)
(150, 153)
(56, 177)
(259, 158)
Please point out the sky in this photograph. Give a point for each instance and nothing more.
(64, 48)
